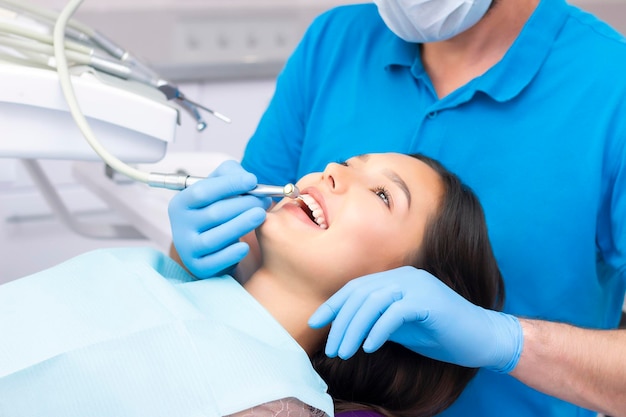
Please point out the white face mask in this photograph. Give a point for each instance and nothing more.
(430, 20)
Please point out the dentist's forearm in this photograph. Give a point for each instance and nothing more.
(584, 367)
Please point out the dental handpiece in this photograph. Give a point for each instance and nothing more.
(180, 182)
(289, 190)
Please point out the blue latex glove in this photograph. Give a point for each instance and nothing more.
(208, 218)
(413, 308)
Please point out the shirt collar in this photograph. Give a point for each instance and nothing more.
(524, 59)
(398, 52)
(519, 65)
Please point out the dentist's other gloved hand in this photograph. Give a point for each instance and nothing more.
(208, 218)
(413, 308)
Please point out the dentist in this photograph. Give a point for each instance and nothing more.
(525, 101)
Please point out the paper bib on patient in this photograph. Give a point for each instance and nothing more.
(128, 333)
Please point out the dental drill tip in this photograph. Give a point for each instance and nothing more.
(291, 191)
(221, 117)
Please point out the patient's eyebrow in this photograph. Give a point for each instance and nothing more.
(399, 182)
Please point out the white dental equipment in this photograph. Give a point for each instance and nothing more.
(31, 50)
(26, 28)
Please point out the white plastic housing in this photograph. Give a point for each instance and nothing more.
(132, 121)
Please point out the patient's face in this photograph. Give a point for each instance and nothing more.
(361, 217)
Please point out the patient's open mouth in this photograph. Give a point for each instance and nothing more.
(313, 210)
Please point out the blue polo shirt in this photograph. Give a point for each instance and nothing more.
(540, 137)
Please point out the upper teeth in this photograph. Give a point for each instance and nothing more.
(316, 210)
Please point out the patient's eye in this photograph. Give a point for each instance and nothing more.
(384, 195)
(344, 163)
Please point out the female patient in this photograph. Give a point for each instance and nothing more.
(127, 332)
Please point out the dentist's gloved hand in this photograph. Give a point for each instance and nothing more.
(208, 218)
(413, 308)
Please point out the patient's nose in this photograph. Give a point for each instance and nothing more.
(336, 177)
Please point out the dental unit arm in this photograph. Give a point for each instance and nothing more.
(99, 68)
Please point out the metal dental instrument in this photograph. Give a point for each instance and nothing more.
(262, 190)
(182, 181)
(289, 190)
(173, 93)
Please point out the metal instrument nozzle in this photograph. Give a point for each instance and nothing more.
(289, 190)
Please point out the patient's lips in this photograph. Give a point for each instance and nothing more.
(313, 209)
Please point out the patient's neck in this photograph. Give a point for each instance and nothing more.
(291, 306)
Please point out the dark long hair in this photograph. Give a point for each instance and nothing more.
(395, 381)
